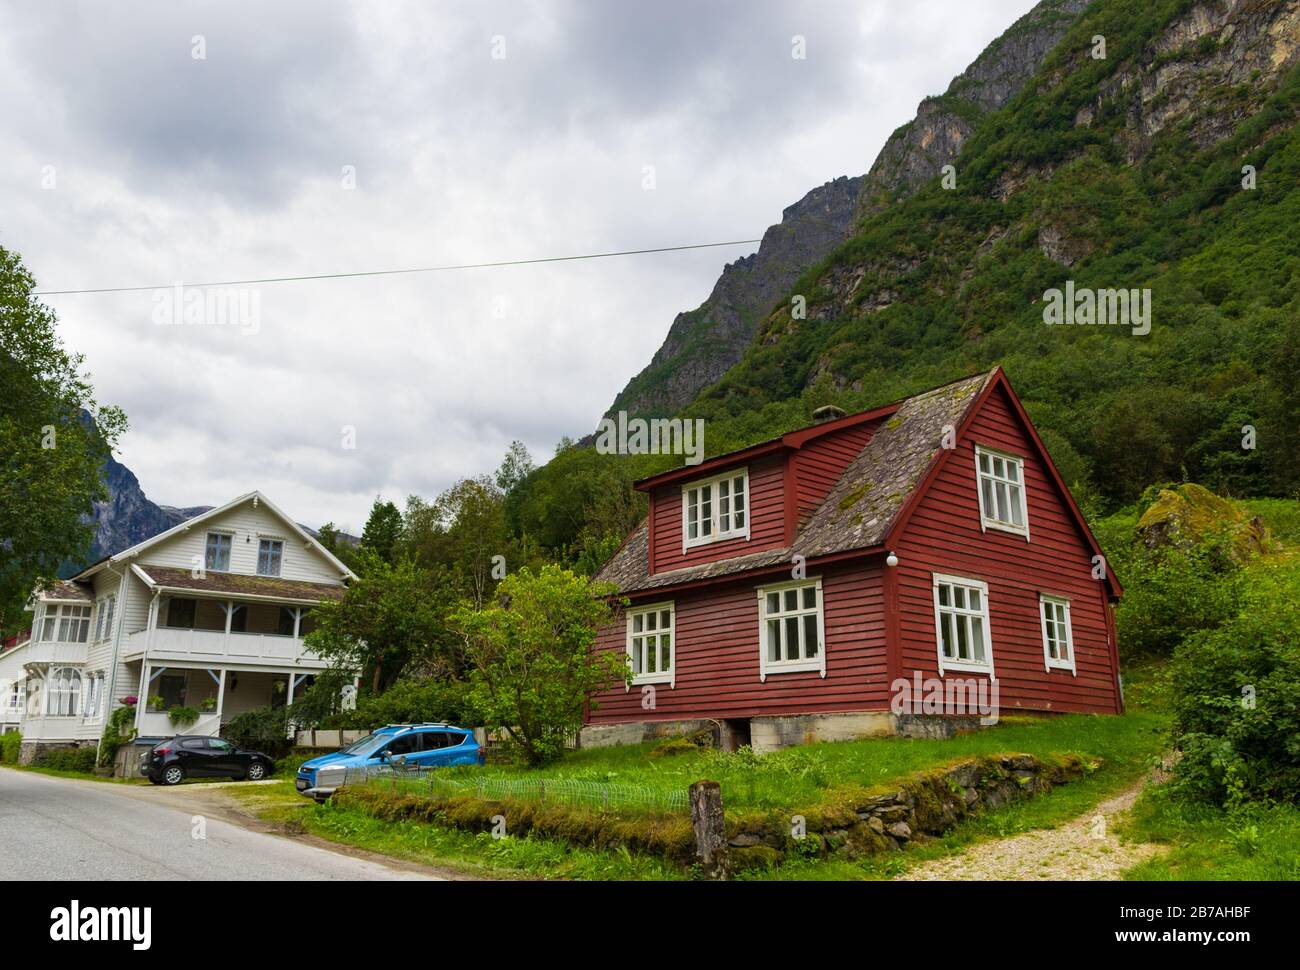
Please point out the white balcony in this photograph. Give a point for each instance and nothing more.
(54, 652)
(219, 648)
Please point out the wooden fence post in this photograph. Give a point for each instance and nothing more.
(710, 829)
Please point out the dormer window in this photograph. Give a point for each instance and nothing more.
(216, 555)
(716, 509)
(1001, 491)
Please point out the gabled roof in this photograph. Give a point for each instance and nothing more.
(874, 497)
(236, 584)
(860, 509)
(134, 551)
(67, 591)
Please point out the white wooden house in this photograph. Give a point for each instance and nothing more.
(209, 615)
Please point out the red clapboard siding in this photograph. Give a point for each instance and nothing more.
(821, 462)
(717, 655)
(944, 536)
(766, 520)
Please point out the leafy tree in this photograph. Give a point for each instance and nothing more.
(389, 621)
(383, 530)
(465, 532)
(533, 665)
(54, 440)
(515, 467)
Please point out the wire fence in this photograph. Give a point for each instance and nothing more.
(573, 791)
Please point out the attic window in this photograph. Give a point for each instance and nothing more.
(716, 509)
(1001, 491)
(269, 554)
(216, 556)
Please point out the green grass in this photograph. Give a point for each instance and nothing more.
(1261, 842)
(805, 775)
(1281, 515)
(83, 775)
(476, 854)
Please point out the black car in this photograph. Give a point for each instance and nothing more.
(196, 756)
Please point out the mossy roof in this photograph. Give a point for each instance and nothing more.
(857, 513)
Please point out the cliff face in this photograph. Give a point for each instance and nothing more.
(706, 342)
(917, 151)
(128, 516)
(703, 343)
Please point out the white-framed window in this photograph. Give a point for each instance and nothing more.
(16, 699)
(216, 554)
(107, 606)
(64, 693)
(269, 554)
(717, 508)
(65, 623)
(1001, 491)
(1058, 638)
(961, 620)
(651, 647)
(791, 628)
(94, 695)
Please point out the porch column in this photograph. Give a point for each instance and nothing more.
(221, 696)
(142, 699)
(230, 615)
(297, 621)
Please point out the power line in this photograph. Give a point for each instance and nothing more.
(398, 272)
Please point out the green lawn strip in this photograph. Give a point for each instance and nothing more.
(1261, 842)
(808, 775)
(83, 775)
(435, 845)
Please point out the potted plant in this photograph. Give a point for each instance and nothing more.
(182, 717)
(156, 702)
(208, 705)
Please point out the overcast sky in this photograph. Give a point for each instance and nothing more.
(330, 137)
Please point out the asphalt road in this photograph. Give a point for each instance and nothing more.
(62, 828)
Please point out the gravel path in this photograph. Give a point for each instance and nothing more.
(1085, 848)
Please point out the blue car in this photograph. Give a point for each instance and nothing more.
(411, 745)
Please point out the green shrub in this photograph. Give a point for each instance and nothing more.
(68, 759)
(182, 717)
(407, 702)
(1172, 594)
(265, 729)
(117, 732)
(9, 745)
(1236, 698)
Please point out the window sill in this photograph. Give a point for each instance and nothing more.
(794, 667)
(660, 678)
(689, 544)
(966, 667)
(1058, 665)
(987, 526)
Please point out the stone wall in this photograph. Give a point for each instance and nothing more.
(29, 751)
(868, 822)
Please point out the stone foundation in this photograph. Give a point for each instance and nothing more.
(769, 733)
(29, 751)
(636, 732)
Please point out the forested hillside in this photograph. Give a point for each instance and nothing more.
(1154, 149)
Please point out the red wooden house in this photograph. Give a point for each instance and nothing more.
(788, 591)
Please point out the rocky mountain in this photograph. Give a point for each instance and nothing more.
(702, 344)
(1155, 150)
(128, 516)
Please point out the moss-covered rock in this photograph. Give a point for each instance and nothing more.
(1187, 516)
